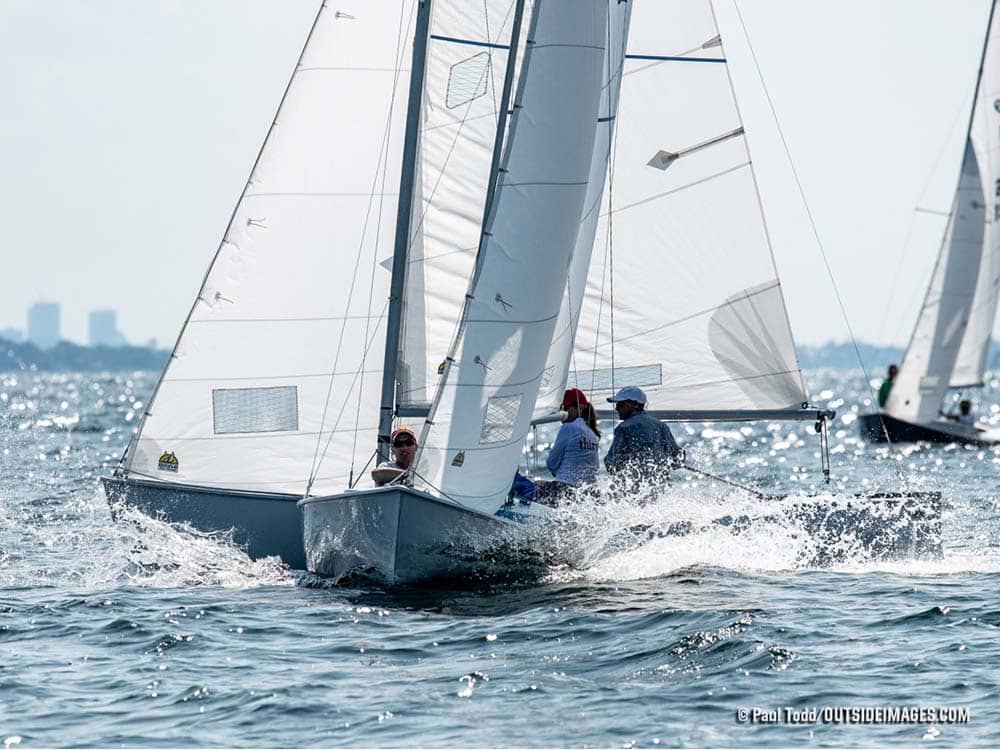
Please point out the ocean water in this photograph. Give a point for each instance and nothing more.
(140, 634)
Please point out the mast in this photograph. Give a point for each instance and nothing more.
(491, 187)
(402, 243)
(979, 75)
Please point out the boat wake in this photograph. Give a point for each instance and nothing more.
(688, 526)
(77, 544)
(160, 554)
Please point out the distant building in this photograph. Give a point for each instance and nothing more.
(103, 325)
(11, 334)
(43, 324)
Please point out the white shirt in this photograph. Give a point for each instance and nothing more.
(574, 456)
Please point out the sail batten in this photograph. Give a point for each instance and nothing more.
(682, 297)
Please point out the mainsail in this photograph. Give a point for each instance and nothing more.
(487, 393)
(274, 382)
(951, 338)
(683, 297)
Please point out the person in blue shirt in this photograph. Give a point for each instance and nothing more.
(573, 458)
(644, 449)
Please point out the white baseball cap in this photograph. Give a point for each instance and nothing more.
(629, 393)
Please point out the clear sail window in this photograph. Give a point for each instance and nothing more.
(501, 415)
(238, 410)
(467, 80)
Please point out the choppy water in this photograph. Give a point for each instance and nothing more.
(144, 635)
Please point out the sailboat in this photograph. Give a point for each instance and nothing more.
(950, 342)
(445, 244)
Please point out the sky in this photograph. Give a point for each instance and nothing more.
(128, 129)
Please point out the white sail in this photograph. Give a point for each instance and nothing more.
(985, 139)
(950, 341)
(275, 378)
(926, 369)
(560, 354)
(467, 54)
(484, 405)
(683, 298)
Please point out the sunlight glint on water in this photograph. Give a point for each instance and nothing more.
(665, 623)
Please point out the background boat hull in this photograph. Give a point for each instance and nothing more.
(881, 428)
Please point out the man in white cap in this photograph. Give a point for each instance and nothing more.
(643, 446)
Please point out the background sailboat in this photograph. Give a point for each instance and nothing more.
(950, 342)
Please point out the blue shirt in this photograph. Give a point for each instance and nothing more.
(644, 441)
(574, 456)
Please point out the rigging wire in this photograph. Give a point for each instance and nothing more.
(380, 167)
(374, 266)
(607, 266)
(429, 202)
(494, 184)
(612, 114)
(894, 286)
(343, 406)
(819, 243)
(612, 135)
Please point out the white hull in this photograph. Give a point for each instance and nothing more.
(261, 523)
(397, 535)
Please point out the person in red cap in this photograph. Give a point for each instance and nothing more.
(573, 459)
(404, 447)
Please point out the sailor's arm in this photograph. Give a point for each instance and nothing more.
(674, 452)
(384, 474)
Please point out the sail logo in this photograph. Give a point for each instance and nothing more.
(459, 459)
(168, 462)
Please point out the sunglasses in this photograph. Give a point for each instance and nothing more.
(404, 443)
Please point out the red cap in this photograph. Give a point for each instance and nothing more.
(403, 431)
(574, 397)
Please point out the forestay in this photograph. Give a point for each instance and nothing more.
(467, 54)
(683, 297)
(276, 375)
(484, 404)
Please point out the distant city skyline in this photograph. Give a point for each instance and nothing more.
(44, 324)
(43, 328)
